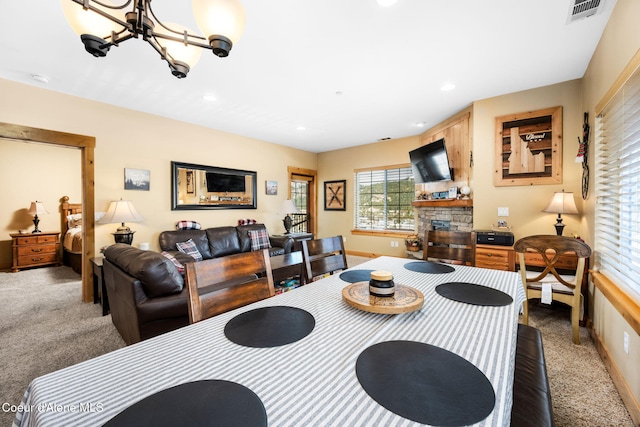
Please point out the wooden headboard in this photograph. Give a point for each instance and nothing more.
(67, 208)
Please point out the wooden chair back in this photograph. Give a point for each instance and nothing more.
(322, 256)
(455, 247)
(553, 251)
(222, 284)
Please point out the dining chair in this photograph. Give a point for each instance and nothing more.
(218, 285)
(453, 247)
(323, 256)
(556, 281)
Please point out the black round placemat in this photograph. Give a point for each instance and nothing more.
(199, 403)
(429, 267)
(424, 383)
(354, 276)
(270, 326)
(471, 293)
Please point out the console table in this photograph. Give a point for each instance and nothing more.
(297, 238)
(35, 249)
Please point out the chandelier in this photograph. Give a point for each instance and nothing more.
(103, 23)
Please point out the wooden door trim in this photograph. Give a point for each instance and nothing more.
(86, 144)
(313, 190)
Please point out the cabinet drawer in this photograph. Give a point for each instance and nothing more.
(47, 239)
(497, 260)
(37, 249)
(28, 260)
(30, 240)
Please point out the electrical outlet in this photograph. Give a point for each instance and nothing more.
(503, 211)
(626, 343)
(394, 243)
(344, 239)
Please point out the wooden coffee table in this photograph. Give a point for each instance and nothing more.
(405, 299)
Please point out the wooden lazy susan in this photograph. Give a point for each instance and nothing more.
(404, 300)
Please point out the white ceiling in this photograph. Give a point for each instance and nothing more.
(296, 56)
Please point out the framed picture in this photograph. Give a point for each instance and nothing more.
(334, 195)
(528, 148)
(453, 192)
(271, 188)
(137, 179)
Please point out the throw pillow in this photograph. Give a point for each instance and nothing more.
(188, 225)
(74, 220)
(189, 247)
(259, 239)
(175, 262)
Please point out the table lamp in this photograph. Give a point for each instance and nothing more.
(121, 211)
(37, 208)
(288, 207)
(561, 203)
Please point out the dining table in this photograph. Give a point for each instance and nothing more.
(330, 374)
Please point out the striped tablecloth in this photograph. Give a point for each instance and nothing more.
(308, 383)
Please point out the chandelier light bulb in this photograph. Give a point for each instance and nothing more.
(88, 22)
(221, 21)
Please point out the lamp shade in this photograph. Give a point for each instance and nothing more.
(84, 21)
(289, 207)
(562, 203)
(180, 51)
(220, 18)
(121, 211)
(37, 208)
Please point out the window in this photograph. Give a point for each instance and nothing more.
(383, 199)
(617, 217)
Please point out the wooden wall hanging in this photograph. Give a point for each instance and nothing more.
(528, 148)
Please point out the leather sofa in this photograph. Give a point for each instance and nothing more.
(221, 241)
(146, 292)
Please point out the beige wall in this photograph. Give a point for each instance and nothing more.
(619, 43)
(129, 139)
(525, 203)
(340, 164)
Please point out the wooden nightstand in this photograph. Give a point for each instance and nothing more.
(35, 250)
(496, 257)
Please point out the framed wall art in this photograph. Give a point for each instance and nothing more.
(271, 188)
(137, 179)
(334, 195)
(528, 148)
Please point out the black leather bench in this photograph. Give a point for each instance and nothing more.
(531, 394)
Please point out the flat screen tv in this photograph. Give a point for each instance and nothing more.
(225, 183)
(430, 163)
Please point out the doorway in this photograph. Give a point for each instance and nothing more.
(302, 191)
(86, 144)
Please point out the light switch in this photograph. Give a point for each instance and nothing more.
(503, 211)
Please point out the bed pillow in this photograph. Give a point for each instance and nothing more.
(74, 220)
(175, 262)
(189, 247)
(259, 239)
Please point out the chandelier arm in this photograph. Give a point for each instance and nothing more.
(159, 22)
(106, 15)
(182, 40)
(105, 5)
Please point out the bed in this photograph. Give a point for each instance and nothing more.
(71, 220)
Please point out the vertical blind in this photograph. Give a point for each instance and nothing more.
(383, 199)
(617, 216)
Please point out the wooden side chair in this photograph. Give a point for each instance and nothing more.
(565, 288)
(218, 285)
(453, 247)
(322, 256)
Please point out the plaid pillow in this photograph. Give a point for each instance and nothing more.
(189, 247)
(187, 225)
(259, 239)
(247, 221)
(175, 262)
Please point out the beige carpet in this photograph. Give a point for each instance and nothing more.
(44, 327)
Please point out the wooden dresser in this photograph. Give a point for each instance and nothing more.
(496, 257)
(35, 250)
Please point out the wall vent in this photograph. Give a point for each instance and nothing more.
(581, 9)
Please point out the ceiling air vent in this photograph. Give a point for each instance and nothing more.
(584, 8)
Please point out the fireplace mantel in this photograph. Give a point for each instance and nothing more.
(443, 203)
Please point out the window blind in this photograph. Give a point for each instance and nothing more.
(617, 185)
(383, 199)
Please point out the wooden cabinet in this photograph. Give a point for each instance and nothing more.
(496, 257)
(35, 250)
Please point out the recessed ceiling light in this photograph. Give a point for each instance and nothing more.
(386, 3)
(209, 98)
(339, 92)
(420, 124)
(301, 128)
(40, 78)
(447, 87)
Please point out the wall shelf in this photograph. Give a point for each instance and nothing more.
(443, 203)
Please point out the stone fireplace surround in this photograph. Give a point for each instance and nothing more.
(460, 217)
